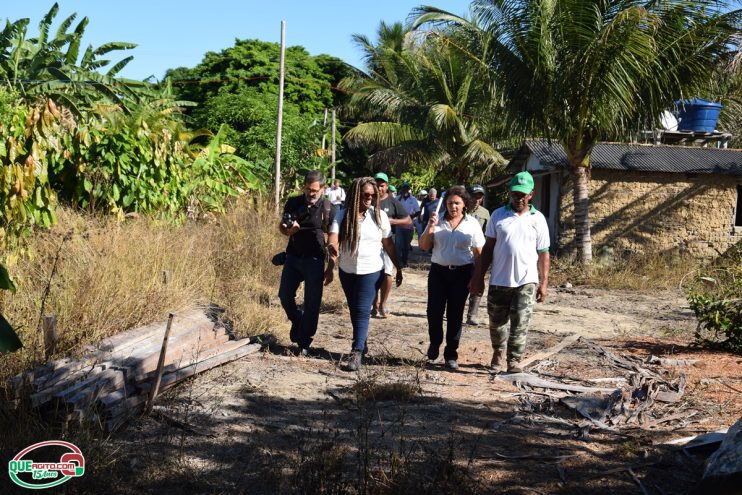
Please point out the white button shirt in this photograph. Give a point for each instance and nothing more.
(454, 246)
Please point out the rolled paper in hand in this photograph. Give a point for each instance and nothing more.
(437, 210)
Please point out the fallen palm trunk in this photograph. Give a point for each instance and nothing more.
(110, 384)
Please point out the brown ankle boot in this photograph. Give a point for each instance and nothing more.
(498, 360)
(514, 366)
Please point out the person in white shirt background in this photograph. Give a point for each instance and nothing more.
(336, 194)
(422, 197)
(403, 238)
(456, 240)
(358, 236)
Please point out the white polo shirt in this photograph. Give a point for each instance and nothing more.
(336, 196)
(519, 240)
(454, 246)
(368, 259)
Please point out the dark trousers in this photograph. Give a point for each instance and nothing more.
(402, 240)
(360, 291)
(447, 292)
(310, 270)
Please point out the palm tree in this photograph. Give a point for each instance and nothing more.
(422, 105)
(728, 78)
(579, 71)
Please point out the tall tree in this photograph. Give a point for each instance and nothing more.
(424, 104)
(238, 86)
(583, 70)
(254, 64)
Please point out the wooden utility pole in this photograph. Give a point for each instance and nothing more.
(280, 115)
(333, 145)
(324, 134)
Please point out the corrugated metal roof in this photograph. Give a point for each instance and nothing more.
(641, 158)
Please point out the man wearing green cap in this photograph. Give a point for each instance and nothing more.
(517, 246)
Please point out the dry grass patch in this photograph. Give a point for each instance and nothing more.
(370, 389)
(632, 272)
(100, 277)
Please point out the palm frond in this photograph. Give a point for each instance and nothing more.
(381, 135)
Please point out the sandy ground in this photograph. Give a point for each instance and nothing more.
(278, 423)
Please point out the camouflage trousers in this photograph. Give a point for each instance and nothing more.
(510, 310)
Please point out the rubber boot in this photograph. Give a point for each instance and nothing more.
(471, 317)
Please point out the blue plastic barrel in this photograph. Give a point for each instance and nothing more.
(697, 115)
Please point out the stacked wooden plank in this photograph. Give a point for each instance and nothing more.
(111, 383)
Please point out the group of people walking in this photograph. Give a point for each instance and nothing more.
(464, 239)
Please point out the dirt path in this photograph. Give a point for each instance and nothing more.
(278, 423)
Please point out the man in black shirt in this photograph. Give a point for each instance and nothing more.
(398, 216)
(311, 216)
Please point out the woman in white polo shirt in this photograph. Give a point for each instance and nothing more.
(457, 240)
(359, 234)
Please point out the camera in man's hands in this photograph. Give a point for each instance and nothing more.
(297, 216)
(287, 219)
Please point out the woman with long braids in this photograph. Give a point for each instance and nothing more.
(457, 241)
(358, 236)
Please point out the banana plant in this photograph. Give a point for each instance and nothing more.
(51, 66)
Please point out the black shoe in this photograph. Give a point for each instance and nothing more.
(432, 353)
(452, 364)
(354, 362)
(303, 352)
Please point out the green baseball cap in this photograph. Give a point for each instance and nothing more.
(522, 182)
(392, 188)
(382, 176)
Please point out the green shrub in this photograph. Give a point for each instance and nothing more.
(716, 299)
(125, 163)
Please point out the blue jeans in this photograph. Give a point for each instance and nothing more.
(402, 244)
(310, 270)
(360, 291)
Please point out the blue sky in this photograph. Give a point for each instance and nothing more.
(178, 33)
